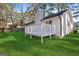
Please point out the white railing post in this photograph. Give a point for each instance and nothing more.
(31, 32)
(25, 30)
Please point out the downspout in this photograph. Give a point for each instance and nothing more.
(60, 25)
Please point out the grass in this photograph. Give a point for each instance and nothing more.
(16, 44)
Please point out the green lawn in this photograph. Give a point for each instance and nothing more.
(16, 44)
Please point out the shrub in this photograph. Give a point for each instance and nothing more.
(75, 31)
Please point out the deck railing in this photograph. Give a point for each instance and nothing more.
(43, 29)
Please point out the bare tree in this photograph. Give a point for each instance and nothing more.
(3, 17)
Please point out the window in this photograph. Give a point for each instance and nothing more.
(49, 22)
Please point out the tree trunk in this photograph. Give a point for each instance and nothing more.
(58, 5)
(12, 26)
(2, 29)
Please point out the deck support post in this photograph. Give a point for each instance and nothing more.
(25, 30)
(41, 39)
(30, 36)
(50, 37)
(25, 33)
(42, 33)
(50, 31)
(31, 32)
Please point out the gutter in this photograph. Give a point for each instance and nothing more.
(60, 25)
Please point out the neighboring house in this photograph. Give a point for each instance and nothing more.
(58, 24)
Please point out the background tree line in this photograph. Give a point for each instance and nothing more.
(9, 14)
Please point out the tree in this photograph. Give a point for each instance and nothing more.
(43, 7)
(29, 12)
(62, 6)
(3, 16)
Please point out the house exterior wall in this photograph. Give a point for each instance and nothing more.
(39, 27)
(67, 23)
(44, 29)
(70, 23)
(55, 24)
(64, 24)
(28, 28)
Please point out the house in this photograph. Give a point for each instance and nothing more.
(58, 24)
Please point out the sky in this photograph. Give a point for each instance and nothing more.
(74, 7)
(22, 6)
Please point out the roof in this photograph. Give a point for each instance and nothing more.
(54, 14)
(30, 23)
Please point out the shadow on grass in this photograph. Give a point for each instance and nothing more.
(72, 35)
(4, 34)
(54, 46)
(22, 43)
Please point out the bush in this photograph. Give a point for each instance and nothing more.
(75, 31)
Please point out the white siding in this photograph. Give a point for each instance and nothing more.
(68, 23)
(40, 28)
(55, 24)
(65, 24)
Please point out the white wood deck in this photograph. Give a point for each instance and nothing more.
(41, 30)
